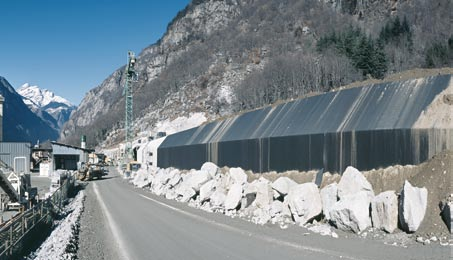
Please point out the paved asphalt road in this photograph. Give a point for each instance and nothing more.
(122, 222)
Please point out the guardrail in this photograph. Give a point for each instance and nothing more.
(15, 230)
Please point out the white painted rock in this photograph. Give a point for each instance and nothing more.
(384, 211)
(351, 213)
(217, 199)
(233, 197)
(238, 175)
(412, 206)
(197, 179)
(328, 198)
(185, 192)
(207, 190)
(264, 194)
(304, 202)
(210, 168)
(353, 181)
(283, 184)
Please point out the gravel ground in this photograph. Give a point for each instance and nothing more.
(93, 231)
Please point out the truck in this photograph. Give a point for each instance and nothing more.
(130, 167)
(90, 171)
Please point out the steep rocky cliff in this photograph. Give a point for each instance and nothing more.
(213, 50)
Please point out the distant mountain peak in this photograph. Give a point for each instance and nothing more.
(39, 100)
(41, 97)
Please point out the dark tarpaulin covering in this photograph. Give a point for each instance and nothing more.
(367, 127)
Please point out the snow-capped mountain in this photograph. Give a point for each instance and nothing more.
(20, 124)
(44, 102)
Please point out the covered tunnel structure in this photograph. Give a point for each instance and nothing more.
(373, 126)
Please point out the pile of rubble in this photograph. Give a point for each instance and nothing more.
(349, 205)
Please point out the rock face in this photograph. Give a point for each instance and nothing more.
(197, 21)
(351, 213)
(352, 181)
(329, 198)
(283, 184)
(304, 202)
(233, 197)
(384, 211)
(412, 206)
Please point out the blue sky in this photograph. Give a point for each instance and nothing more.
(71, 46)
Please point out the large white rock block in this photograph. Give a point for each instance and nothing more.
(175, 180)
(238, 175)
(352, 213)
(210, 168)
(283, 184)
(185, 193)
(264, 193)
(197, 179)
(207, 190)
(384, 211)
(329, 198)
(352, 181)
(217, 199)
(304, 202)
(412, 206)
(234, 196)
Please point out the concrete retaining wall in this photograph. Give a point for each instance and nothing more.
(366, 127)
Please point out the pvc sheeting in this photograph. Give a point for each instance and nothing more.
(366, 127)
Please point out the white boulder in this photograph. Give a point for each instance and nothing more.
(217, 199)
(352, 181)
(412, 206)
(233, 197)
(351, 213)
(283, 184)
(276, 208)
(238, 175)
(175, 180)
(328, 198)
(185, 193)
(210, 168)
(143, 178)
(384, 211)
(304, 202)
(197, 179)
(264, 193)
(207, 190)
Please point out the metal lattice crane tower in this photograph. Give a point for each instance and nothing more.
(131, 76)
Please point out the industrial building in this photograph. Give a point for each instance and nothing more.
(50, 156)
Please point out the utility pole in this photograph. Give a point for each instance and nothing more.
(131, 76)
